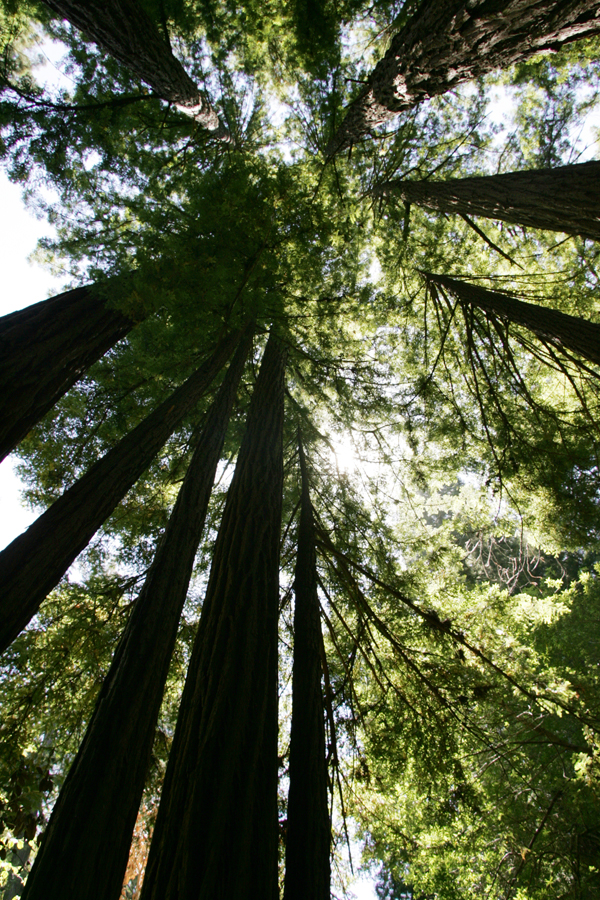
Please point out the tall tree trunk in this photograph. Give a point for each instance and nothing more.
(566, 198)
(307, 863)
(85, 848)
(36, 561)
(447, 42)
(123, 29)
(45, 349)
(568, 332)
(216, 833)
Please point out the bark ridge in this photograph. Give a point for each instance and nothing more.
(216, 833)
(35, 561)
(566, 198)
(558, 328)
(124, 30)
(99, 801)
(45, 349)
(447, 42)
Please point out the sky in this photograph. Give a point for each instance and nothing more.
(23, 284)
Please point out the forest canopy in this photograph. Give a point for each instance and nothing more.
(313, 435)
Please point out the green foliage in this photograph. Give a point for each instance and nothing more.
(458, 560)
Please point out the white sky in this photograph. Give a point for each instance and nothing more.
(23, 283)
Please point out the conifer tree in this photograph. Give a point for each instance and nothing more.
(308, 843)
(45, 349)
(35, 561)
(99, 800)
(216, 833)
(446, 42)
(558, 328)
(566, 198)
(124, 30)
(444, 700)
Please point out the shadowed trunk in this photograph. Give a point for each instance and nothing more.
(98, 804)
(565, 199)
(307, 862)
(216, 833)
(560, 329)
(447, 42)
(36, 561)
(45, 349)
(123, 29)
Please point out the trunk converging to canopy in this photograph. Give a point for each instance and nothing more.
(565, 199)
(124, 30)
(216, 833)
(35, 562)
(447, 42)
(45, 349)
(307, 857)
(564, 331)
(99, 801)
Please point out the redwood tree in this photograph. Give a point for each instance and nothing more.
(45, 349)
(447, 42)
(99, 800)
(124, 30)
(560, 329)
(566, 198)
(307, 863)
(216, 833)
(35, 561)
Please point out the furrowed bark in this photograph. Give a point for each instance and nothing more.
(564, 199)
(307, 859)
(45, 349)
(86, 846)
(562, 330)
(216, 833)
(36, 561)
(447, 42)
(124, 30)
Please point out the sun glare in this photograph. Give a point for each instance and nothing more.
(344, 453)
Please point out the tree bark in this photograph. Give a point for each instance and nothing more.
(86, 846)
(564, 331)
(36, 561)
(45, 349)
(447, 42)
(565, 199)
(307, 860)
(124, 30)
(216, 833)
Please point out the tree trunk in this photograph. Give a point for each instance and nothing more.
(124, 30)
(36, 561)
(564, 199)
(45, 349)
(564, 331)
(86, 846)
(447, 42)
(216, 833)
(307, 863)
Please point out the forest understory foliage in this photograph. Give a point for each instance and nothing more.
(223, 179)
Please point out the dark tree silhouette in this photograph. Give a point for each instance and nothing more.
(99, 801)
(216, 832)
(307, 858)
(35, 562)
(45, 349)
(564, 331)
(565, 199)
